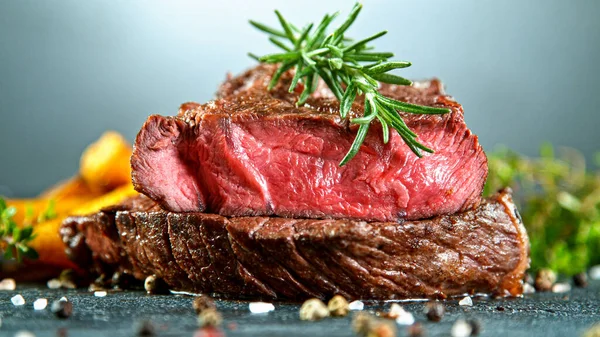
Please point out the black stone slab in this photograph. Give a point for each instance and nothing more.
(541, 314)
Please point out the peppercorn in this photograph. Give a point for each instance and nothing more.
(361, 323)
(544, 279)
(67, 279)
(434, 311)
(367, 325)
(580, 280)
(155, 285)
(416, 330)
(209, 317)
(475, 326)
(62, 309)
(123, 281)
(313, 310)
(145, 328)
(338, 306)
(202, 303)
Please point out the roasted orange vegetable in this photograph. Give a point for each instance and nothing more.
(105, 164)
(47, 241)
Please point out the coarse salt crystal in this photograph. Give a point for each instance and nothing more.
(561, 288)
(17, 300)
(528, 289)
(404, 317)
(24, 333)
(466, 301)
(63, 299)
(261, 307)
(100, 293)
(54, 283)
(356, 305)
(594, 272)
(8, 284)
(461, 329)
(40, 304)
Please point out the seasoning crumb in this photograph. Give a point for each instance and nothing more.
(24, 333)
(528, 289)
(313, 310)
(53, 283)
(62, 309)
(416, 330)
(580, 280)
(8, 284)
(434, 311)
(40, 304)
(145, 328)
(100, 293)
(461, 328)
(261, 307)
(61, 332)
(17, 300)
(202, 303)
(544, 279)
(338, 306)
(500, 308)
(356, 305)
(466, 301)
(209, 317)
(155, 285)
(561, 288)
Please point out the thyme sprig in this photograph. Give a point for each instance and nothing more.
(14, 241)
(349, 68)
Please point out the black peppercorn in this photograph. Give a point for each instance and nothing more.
(416, 330)
(62, 309)
(434, 311)
(580, 280)
(145, 328)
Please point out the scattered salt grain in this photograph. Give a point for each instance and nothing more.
(461, 328)
(561, 288)
(24, 333)
(261, 307)
(403, 317)
(594, 272)
(100, 293)
(54, 283)
(466, 301)
(356, 305)
(8, 284)
(40, 304)
(17, 300)
(528, 289)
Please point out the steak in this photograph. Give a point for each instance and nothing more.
(483, 250)
(252, 152)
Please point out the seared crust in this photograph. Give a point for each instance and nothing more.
(484, 250)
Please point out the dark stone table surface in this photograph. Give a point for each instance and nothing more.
(119, 313)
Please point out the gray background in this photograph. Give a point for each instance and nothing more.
(525, 71)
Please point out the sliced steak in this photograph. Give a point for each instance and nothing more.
(254, 153)
(484, 250)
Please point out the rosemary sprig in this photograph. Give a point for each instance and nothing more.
(14, 240)
(349, 68)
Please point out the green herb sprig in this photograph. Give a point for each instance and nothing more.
(349, 68)
(14, 241)
(559, 201)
